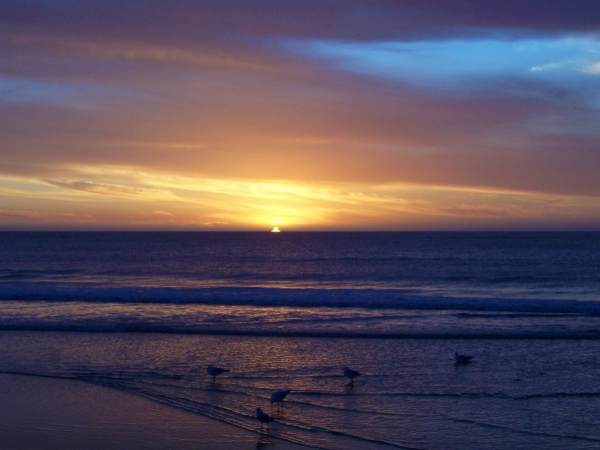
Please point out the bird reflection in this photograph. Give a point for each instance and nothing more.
(263, 440)
(216, 387)
(349, 388)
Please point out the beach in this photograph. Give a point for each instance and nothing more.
(114, 390)
(49, 413)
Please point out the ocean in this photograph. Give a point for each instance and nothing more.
(148, 312)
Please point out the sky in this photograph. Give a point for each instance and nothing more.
(407, 115)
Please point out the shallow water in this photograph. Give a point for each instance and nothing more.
(515, 394)
(44, 413)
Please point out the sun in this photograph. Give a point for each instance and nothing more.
(275, 230)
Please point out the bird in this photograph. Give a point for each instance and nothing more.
(279, 396)
(214, 371)
(462, 358)
(263, 418)
(352, 374)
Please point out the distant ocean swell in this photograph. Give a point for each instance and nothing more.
(398, 299)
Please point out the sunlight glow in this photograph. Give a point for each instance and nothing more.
(95, 196)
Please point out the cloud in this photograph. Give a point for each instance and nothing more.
(459, 64)
(355, 136)
(73, 95)
(200, 113)
(46, 216)
(492, 211)
(96, 188)
(225, 204)
(593, 68)
(217, 224)
(548, 67)
(185, 21)
(113, 190)
(88, 50)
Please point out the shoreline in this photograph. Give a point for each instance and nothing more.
(49, 412)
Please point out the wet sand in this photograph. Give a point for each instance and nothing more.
(46, 413)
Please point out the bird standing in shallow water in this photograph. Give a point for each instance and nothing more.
(279, 396)
(263, 418)
(461, 359)
(214, 371)
(352, 374)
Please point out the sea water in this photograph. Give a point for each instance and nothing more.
(290, 310)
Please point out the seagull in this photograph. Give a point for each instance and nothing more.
(352, 374)
(214, 371)
(279, 396)
(462, 358)
(263, 418)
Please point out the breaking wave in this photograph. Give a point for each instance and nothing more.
(308, 298)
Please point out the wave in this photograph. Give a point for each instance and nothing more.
(525, 432)
(290, 430)
(295, 429)
(400, 299)
(168, 328)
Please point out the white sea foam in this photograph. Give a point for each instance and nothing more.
(338, 298)
(430, 318)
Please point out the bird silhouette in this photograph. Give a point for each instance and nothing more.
(352, 374)
(214, 371)
(263, 417)
(462, 359)
(279, 396)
